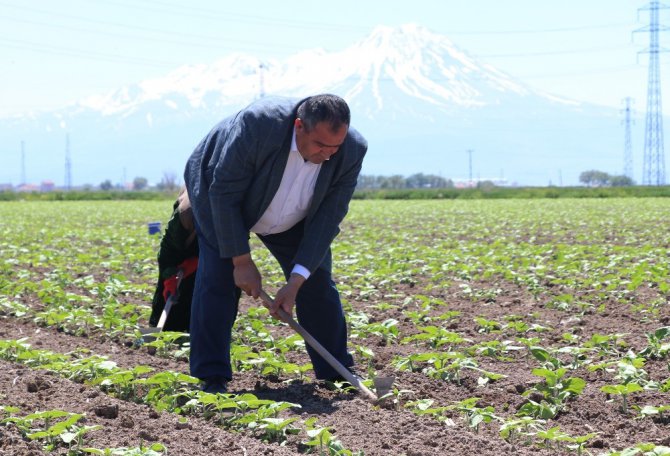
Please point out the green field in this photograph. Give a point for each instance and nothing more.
(537, 326)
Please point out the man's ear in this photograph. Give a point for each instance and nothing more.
(298, 123)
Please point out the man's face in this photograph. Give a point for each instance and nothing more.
(319, 144)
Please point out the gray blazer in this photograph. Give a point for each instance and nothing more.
(235, 171)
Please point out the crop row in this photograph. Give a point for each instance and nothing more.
(58, 428)
(166, 390)
(78, 317)
(573, 263)
(456, 354)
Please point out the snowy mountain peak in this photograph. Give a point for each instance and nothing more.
(405, 62)
(404, 39)
(418, 63)
(418, 98)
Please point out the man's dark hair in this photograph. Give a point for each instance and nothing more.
(324, 108)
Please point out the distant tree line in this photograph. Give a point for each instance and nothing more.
(595, 178)
(167, 184)
(591, 178)
(419, 180)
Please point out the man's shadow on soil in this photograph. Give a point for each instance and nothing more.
(310, 396)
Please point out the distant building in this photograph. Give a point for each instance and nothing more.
(47, 186)
(466, 183)
(27, 188)
(6, 187)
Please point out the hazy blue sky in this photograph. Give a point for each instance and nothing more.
(53, 52)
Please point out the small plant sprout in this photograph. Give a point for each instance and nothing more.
(642, 449)
(74, 436)
(52, 433)
(657, 413)
(495, 349)
(156, 449)
(556, 388)
(606, 345)
(487, 326)
(578, 356)
(436, 337)
(658, 344)
(387, 330)
(623, 391)
(394, 398)
(425, 407)
(7, 410)
(384, 306)
(166, 343)
(474, 415)
(528, 342)
(553, 438)
(322, 439)
(526, 427)
(369, 356)
(276, 429)
(630, 370)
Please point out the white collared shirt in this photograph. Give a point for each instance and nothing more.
(291, 202)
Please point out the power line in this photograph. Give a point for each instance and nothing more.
(117, 58)
(471, 182)
(552, 53)
(536, 31)
(180, 11)
(214, 42)
(628, 143)
(68, 163)
(23, 162)
(212, 15)
(653, 172)
(47, 49)
(261, 80)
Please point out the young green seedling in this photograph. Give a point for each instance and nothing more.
(657, 346)
(474, 415)
(623, 391)
(657, 413)
(276, 429)
(525, 426)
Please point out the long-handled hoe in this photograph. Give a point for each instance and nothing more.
(382, 384)
(172, 299)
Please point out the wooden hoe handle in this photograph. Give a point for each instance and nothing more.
(325, 354)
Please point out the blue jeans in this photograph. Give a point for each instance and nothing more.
(215, 304)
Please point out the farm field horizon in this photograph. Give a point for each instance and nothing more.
(520, 327)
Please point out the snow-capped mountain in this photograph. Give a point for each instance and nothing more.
(419, 99)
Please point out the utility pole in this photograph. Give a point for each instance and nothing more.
(628, 143)
(23, 162)
(470, 182)
(653, 172)
(261, 83)
(68, 164)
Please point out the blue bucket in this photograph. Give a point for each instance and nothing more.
(154, 227)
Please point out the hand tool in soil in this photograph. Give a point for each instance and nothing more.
(171, 300)
(382, 384)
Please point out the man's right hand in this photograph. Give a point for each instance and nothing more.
(246, 275)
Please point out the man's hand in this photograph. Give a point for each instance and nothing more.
(285, 298)
(246, 275)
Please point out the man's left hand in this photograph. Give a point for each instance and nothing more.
(285, 298)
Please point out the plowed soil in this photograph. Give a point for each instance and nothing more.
(357, 423)
(362, 427)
